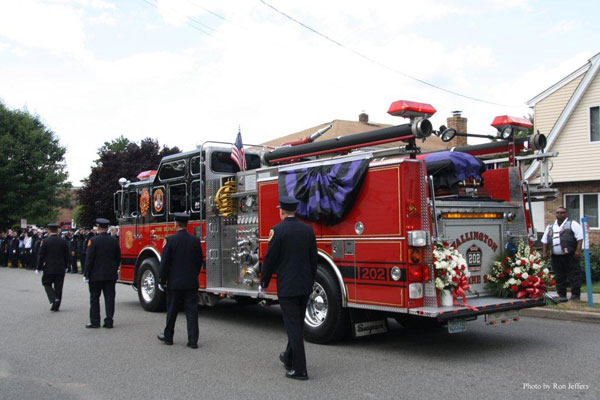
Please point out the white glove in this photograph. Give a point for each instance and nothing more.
(85, 280)
(261, 290)
(37, 271)
(160, 287)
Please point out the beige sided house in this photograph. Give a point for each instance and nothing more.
(568, 113)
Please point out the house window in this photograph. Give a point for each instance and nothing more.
(595, 124)
(583, 205)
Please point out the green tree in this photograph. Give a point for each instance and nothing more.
(119, 158)
(33, 180)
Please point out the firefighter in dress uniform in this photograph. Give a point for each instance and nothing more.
(73, 251)
(103, 257)
(53, 260)
(292, 255)
(179, 269)
(3, 249)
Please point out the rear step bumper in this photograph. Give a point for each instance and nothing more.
(484, 305)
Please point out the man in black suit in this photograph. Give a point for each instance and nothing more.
(292, 254)
(179, 269)
(103, 257)
(53, 259)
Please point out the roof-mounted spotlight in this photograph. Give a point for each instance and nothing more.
(446, 134)
(506, 133)
(508, 125)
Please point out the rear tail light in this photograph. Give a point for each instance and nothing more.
(415, 273)
(415, 291)
(426, 274)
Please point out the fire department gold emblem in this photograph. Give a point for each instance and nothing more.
(144, 202)
(158, 200)
(129, 239)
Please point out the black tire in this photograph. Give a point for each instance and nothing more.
(151, 298)
(332, 325)
(414, 322)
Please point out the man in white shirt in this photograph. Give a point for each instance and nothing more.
(565, 238)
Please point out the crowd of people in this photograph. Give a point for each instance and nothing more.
(19, 248)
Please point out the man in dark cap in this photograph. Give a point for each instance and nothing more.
(292, 254)
(53, 259)
(180, 266)
(103, 257)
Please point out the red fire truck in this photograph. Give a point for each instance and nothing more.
(374, 244)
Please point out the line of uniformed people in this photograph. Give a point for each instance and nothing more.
(20, 248)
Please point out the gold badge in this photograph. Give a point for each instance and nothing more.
(271, 234)
(129, 239)
(89, 243)
(144, 202)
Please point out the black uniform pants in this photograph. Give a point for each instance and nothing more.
(3, 259)
(293, 310)
(108, 289)
(14, 258)
(190, 301)
(53, 284)
(73, 264)
(566, 268)
(28, 258)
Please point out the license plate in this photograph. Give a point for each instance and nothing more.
(502, 317)
(457, 325)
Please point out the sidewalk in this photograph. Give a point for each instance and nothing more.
(569, 315)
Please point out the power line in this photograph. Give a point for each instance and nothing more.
(189, 20)
(378, 62)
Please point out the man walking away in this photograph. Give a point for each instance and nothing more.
(179, 269)
(103, 257)
(53, 260)
(292, 254)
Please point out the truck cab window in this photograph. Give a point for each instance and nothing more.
(177, 198)
(172, 170)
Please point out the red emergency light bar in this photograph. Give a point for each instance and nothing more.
(519, 124)
(142, 176)
(410, 109)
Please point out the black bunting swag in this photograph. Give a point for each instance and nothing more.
(325, 191)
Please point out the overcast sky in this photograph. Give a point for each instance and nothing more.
(187, 71)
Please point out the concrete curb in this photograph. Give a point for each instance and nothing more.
(579, 316)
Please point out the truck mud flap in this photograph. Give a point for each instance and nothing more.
(483, 306)
(367, 323)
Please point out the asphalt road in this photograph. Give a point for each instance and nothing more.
(46, 355)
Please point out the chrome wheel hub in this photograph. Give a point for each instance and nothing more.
(148, 287)
(316, 309)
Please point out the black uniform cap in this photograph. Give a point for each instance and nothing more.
(181, 217)
(53, 226)
(102, 222)
(288, 203)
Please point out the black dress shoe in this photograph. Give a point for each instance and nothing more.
(292, 374)
(282, 359)
(192, 345)
(92, 326)
(107, 326)
(162, 338)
